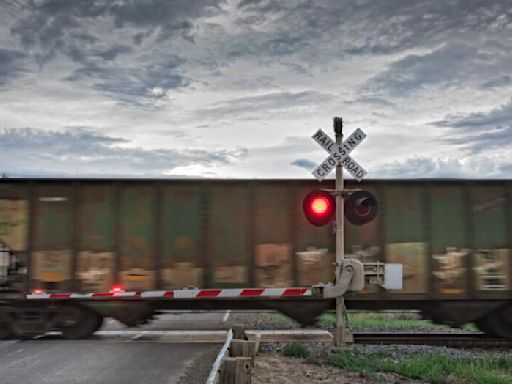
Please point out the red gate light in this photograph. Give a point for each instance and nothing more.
(319, 207)
(116, 288)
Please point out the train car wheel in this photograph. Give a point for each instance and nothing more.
(79, 322)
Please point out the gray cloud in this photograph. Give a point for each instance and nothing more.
(480, 131)
(304, 163)
(453, 64)
(54, 25)
(502, 81)
(11, 65)
(364, 27)
(498, 117)
(78, 151)
(170, 18)
(129, 83)
(421, 167)
(268, 103)
(498, 138)
(73, 29)
(463, 167)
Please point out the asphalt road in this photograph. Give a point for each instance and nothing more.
(50, 359)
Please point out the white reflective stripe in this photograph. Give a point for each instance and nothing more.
(273, 292)
(153, 294)
(186, 293)
(81, 295)
(40, 296)
(230, 293)
(124, 294)
(308, 293)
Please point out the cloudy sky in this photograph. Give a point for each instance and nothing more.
(235, 88)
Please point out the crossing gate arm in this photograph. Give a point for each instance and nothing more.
(180, 294)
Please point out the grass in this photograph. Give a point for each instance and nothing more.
(384, 320)
(296, 350)
(434, 368)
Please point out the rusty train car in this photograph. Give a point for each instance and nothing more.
(453, 237)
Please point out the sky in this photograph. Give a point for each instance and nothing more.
(236, 88)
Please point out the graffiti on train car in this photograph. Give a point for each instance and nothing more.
(449, 270)
(273, 265)
(182, 274)
(492, 268)
(51, 266)
(13, 224)
(95, 270)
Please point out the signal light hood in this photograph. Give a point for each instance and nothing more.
(361, 208)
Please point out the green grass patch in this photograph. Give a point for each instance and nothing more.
(296, 350)
(434, 368)
(384, 320)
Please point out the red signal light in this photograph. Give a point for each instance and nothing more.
(319, 207)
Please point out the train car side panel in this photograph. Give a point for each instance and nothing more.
(449, 242)
(228, 233)
(273, 239)
(137, 247)
(491, 256)
(405, 234)
(51, 264)
(96, 237)
(183, 252)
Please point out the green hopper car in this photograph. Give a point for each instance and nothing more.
(453, 238)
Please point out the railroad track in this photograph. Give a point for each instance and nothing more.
(446, 340)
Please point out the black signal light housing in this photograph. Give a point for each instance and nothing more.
(361, 207)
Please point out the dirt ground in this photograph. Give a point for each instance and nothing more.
(272, 368)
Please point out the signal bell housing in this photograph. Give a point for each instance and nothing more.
(319, 207)
(361, 207)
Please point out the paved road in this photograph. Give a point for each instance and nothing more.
(181, 320)
(111, 361)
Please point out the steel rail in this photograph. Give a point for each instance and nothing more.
(213, 378)
(441, 339)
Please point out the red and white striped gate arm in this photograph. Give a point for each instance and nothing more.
(182, 294)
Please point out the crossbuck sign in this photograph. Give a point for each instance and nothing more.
(339, 154)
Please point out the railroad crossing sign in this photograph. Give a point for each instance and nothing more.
(339, 154)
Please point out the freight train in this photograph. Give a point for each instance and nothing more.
(96, 237)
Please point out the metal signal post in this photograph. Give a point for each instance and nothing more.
(360, 207)
(344, 338)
